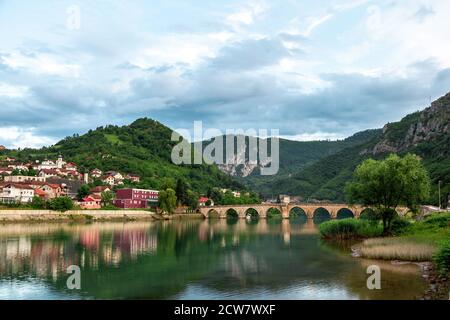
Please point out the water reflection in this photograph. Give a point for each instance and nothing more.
(190, 259)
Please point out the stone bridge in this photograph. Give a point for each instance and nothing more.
(334, 210)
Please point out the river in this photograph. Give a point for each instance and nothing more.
(195, 259)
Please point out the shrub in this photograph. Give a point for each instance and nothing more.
(440, 220)
(61, 204)
(442, 257)
(349, 229)
(399, 225)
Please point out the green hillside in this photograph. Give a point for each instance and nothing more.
(143, 148)
(425, 133)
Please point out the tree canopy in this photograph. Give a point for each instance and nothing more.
(390, 183)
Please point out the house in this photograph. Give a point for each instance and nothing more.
(47, 164)
(96, 173)
(40, 193)
(116, 175)
(14, 192)
(6, 171)
(90, 202)
(10, 159)
(97, 191)
(135, 198)
(203, 200)
(48, 173)
(109, 179)
(71, 167)
(283, 198)
(133, 177)
(19, 179)
(69, 187)
(60, 162)
(18, 166)
(51, 190)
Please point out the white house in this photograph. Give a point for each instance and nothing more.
(17, 193)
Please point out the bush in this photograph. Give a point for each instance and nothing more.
(442, 257)
(440, 220)
(399, 225)
(61, 204)
(349, 229)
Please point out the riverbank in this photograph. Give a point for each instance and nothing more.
(424, 242)
(32, 216)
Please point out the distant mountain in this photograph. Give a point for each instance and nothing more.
(294, 156)
(425, 133)
(143, 147)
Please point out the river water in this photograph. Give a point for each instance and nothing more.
(196, 259)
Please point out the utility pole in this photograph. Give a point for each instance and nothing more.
(439, 187)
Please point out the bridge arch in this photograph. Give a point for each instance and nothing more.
(213, 214)
(274, 213)
(231, 214)
(252, 213)
(344, 213)
(321, 214)
(368, 214)
(298, 213)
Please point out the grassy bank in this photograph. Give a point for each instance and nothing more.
(426, 240)
(349, 229)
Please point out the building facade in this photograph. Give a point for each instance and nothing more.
(135, 198)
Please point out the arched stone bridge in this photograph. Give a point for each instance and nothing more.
(334, 210)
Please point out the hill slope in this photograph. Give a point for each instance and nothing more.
(143, 148)
(425, 133)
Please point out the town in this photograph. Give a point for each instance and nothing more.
(48, 180)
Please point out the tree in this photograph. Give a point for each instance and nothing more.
(216, 195)
(107, 197)
(61, 204)
(192, 199)
(388, 184)
(182, 191)
(84, 191)
(167, 201)
(37, 203)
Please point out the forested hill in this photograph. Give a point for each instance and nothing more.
(425, 133)
(143, 147)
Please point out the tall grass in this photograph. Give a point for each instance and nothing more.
(442, 257)
(349, 229)
(397, 249)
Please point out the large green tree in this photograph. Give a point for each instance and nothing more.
(167, 201)
(387, 184)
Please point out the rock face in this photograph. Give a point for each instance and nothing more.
(416, 128)
(2, 148)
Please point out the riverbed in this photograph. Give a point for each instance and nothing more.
(192, 259)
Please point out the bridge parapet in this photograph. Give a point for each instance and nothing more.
(310, 209)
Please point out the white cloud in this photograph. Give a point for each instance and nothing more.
(11, 91)
(246, 15)
(15, 137)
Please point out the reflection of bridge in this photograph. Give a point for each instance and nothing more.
(310, 210)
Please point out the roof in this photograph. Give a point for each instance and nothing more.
(100, 188)
(18, 186)
(39, 192)
(203, 199)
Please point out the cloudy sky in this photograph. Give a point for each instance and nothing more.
(319, 69)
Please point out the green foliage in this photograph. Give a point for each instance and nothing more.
(400, 225)
(60, 204)
(192, 200)
(182, 191)
(442, 257)
(107, 198)
(84, 191)
(387, 184)
(273, 213)
(37, 203)
(167, 201)
(349, 229)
